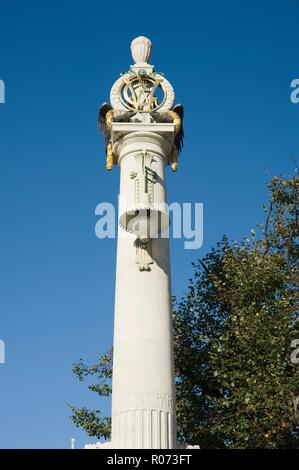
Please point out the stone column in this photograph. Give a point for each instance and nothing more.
(143, 399)
(143, 133)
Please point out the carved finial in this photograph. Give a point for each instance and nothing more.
(141, 48)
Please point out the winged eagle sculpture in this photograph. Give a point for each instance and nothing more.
(175, 115)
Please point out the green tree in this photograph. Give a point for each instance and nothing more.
(235, 383)
(93, 421)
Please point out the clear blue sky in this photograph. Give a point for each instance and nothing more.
(231, 64)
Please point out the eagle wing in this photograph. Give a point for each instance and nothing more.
(179, 138)
(102, 121)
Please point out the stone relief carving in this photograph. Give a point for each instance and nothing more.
(142, 92)
(143, 254)
(144, 399)
(144, 178)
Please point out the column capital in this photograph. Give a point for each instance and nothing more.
(131, 137)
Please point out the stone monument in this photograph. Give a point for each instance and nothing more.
(143, 134)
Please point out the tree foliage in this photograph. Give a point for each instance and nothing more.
(236, 386)
(93, 421)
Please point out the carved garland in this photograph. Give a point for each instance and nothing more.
(115, 94)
